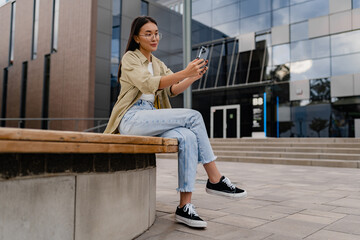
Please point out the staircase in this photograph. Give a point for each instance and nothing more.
(327, 152)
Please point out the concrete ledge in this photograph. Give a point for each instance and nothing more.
(118, 205)
(79, 186)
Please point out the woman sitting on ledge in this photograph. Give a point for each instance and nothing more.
(143, 108)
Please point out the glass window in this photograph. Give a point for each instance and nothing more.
(256, 23)
(320, 47)
(309, 9)
(204, 18)
(320, 89)
(35, 32)
(356, 4)
(55, 27)
(24, 76)
(310, 69)
(299, 31)
(115, 43)
(280, 3)
(12, 33)
(144, 8)
(200, 6)
(347, 64)
(221, 3)
(225, 14)
(213, 67)
(292, 2)
(309, 49)
(230, 29)
(46, 93)
(345, 43)
(4, 96)
(300, 51)
(281, 54)
(281, 16)
(253, 7)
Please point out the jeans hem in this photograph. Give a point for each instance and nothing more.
(183, 190)
(205, 162)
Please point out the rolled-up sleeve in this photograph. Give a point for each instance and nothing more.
(167, 71)
(133, 71)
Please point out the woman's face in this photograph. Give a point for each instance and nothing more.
(148, 38)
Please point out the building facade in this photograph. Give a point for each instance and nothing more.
(283, 68)
(277, 68)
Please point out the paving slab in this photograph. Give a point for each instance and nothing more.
(348, 224)
(332, 235)
(284, 202)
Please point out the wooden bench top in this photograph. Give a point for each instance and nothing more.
(16, 140)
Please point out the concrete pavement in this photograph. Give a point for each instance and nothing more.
(284, 202)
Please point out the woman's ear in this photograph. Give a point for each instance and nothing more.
(137, 40)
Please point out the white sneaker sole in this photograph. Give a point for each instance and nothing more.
(227, 195)
(191, 223)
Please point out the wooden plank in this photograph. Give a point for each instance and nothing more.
(67, 136)
(11, 146)
(169, 141)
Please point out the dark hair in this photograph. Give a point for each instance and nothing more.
(135, 29)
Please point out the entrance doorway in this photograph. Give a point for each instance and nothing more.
(225, 121)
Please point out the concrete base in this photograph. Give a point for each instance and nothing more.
(119, 205)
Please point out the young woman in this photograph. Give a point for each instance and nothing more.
(143, 108)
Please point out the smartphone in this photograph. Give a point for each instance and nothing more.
(203, 53)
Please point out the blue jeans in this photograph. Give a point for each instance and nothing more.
(186, 125)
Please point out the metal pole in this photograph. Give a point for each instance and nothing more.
(187, 48)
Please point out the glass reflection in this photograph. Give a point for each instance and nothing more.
(280, 3)
(311, 120)
(347, 64)
(204, 18)
(231, 29)
(253, 7)
(292, 2)
(256, 23)
(345, 43)
(308, 9)
(221, 3)
(356, 4)
(308, 49)
(299, 31)
(281, 17)
(300, 51)
(281, 54)
(200, 6)
(310, 69)
(320, 89)
(225, 14)
(213, 66)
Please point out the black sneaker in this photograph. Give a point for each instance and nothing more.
(225, 188)
(188, 216)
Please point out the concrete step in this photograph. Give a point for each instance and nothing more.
(292, 140)
(294, 161)
(288, 144)
(331, 152)
(338, 156)
(286, 149)
(275, 160)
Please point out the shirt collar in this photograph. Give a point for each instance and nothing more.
(141, 56)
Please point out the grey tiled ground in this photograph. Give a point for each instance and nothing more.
(284, 202)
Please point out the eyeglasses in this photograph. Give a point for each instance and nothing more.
(149, 36)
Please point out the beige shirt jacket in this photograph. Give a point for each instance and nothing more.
(136, 80)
